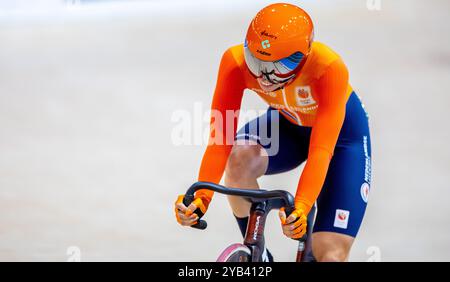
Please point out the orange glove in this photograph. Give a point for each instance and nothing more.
(294, 226)
(188, 216)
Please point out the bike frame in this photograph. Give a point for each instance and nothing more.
(263, 202)
(254, 237)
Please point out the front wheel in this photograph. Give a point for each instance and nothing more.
(236, 253)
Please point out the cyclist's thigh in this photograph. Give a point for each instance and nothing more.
(286, 144)
(343, 199)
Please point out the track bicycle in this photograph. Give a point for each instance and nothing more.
(263, 201)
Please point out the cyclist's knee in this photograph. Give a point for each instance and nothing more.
(336, 255)
(246, 161)
(331, 247)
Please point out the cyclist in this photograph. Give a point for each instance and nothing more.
(313, 115)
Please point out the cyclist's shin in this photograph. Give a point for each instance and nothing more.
(242, 222)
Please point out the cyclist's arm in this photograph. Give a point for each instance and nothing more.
(332, 87)
(227, 97)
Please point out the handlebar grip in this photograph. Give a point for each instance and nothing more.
(303, 239)
(288, 211)
(201, 224)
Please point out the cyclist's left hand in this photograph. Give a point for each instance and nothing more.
(294, 226)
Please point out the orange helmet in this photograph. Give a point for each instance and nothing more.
(278, 31)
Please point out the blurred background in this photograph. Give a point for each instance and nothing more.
(88, 90)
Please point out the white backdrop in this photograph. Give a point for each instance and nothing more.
(86, 98)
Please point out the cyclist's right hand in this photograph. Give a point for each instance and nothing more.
(186, 216)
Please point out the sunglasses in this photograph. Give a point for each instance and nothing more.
(275, 72)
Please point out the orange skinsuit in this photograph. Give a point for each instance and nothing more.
(316, 98)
